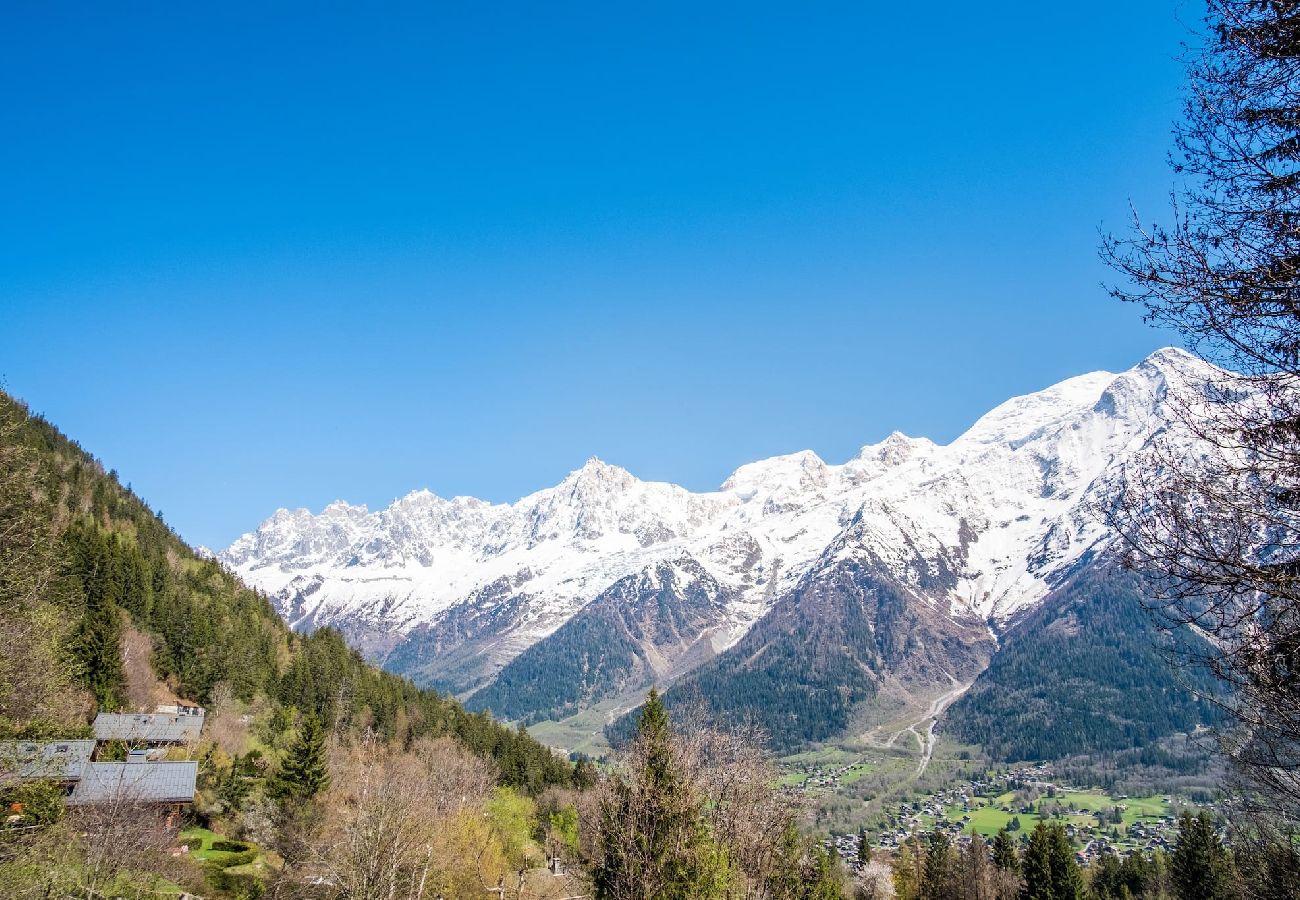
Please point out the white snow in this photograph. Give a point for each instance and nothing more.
(1008, 504)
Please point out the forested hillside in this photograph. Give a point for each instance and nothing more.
(112, 554)
(823, 650)
(1082, 673)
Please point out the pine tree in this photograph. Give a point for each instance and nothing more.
(1067, 877)
(1050, 870)
(305, 771)
(1200, 866)
(864, 848)
(95, 645)
(1004, 852)
(654, 838)
(1037, 866)
(938, 867)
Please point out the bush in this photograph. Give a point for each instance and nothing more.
(40, 802)
(232, 846)
(237, 884)
(242, 858)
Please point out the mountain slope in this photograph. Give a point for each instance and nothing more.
(642, 629)
(116, 563)
(1081, 673)
(929, 545)
(827, 646)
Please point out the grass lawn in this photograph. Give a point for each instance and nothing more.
(855, 773)
(989, 820)
(1135, 808)
(200, 844)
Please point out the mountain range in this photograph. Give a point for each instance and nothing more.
(795, 592)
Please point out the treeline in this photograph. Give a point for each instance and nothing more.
(118, 565)
(1082, 674)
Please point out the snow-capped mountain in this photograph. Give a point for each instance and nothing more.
(453, 590)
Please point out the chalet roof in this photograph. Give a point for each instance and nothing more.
(161, 782)
(156, 728)
(58, 760)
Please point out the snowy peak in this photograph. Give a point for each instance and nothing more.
(982, 527)
(1020, 418)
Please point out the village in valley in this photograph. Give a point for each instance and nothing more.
(1016, 799)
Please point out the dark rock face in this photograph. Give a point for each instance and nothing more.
(645, 627)
(462, 649)
(825, 647)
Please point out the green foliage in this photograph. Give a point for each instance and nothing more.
(99, 568)
(41, 802)
(563, 827)
(1199, 867)
(1136, 875)
(512, 818)
(654, 839)
(43, 730)
(1049, 868)
(304, 773)
(939, 867)
(231, 846)
(1004, 851)
(803, 870)
(1083, 673)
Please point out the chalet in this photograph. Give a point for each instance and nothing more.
(151, 728)
(136, 782)
(61, 761)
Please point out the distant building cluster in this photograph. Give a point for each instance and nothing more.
(145, 777)
(952, 810)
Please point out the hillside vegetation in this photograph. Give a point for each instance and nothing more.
(103, 607)
(1083, 673)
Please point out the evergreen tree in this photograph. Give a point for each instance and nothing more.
(654, 840)
(305, 771)
(1004, 852)
(864, 848)
(1200, 866)
(1037, 866)
(96, 642)
(938, 867)
(803, 871)
(1050, 870)
(1067, 877)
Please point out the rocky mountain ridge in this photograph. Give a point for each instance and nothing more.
(964, 536)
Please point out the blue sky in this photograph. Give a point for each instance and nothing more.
(257, 259)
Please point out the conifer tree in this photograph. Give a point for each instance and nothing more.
(938, 867)
(1200, 866)
(654, 839)
(305, 771)
(1004, 852)
(1050, 870)
(96, 643)
(1067, 877)
(801, 871)
(1037, 866)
